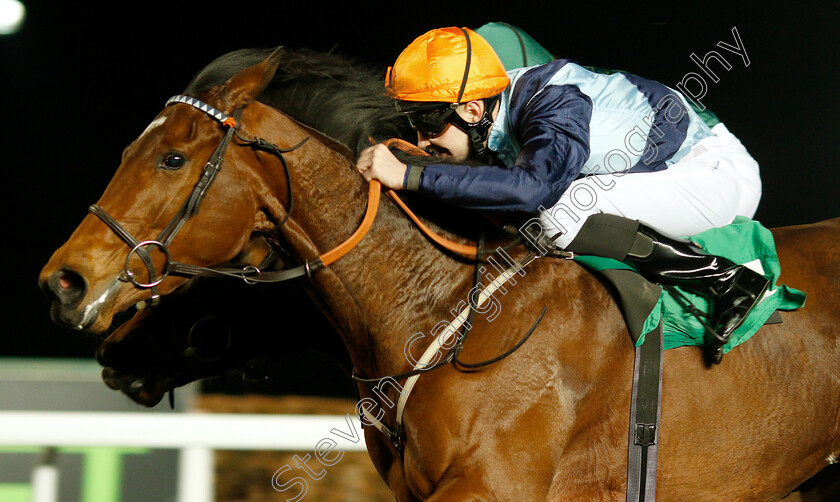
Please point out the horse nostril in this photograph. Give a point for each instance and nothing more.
(65, 282)
(68, 286)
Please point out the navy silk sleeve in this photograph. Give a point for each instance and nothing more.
(553, 129)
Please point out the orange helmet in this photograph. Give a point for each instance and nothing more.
(449, 65)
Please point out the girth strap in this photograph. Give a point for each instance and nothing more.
(645, 406)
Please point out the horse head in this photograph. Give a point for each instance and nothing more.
(160, 185)
(174, 207)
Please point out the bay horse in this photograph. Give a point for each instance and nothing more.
(548, 422)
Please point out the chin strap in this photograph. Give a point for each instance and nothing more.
(479, 131)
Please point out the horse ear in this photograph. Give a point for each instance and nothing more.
(249, 83)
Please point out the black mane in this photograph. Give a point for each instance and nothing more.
(338, 97)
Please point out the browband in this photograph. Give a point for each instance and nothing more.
(201, 105)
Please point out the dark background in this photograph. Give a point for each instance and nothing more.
(82, 80)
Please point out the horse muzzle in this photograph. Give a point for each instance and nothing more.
(71, 304)
(65, 289)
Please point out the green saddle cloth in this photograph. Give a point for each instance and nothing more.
(744, 241)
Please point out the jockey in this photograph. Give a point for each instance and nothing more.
(615, 165)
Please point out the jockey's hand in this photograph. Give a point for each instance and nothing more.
(378, 163)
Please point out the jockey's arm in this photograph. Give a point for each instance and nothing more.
(553, 130)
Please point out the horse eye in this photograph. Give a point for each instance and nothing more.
(173, 161)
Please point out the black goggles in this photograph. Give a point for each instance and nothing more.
(432, 122)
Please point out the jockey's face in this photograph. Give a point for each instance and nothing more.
(454, 143)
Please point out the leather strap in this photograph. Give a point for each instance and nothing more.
(444, 338)
(252, 274)
(134, 244)
(645, 407)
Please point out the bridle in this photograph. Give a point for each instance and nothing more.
(250, 274)
(190, 207)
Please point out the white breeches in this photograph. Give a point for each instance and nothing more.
(717, 181)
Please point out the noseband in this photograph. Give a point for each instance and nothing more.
(190, 207)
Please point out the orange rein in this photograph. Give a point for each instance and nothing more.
(373, 205)
(464, 250)
(342, 249)
(374, 189)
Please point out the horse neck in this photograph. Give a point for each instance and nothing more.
(393, 284)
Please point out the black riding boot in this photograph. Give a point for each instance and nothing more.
(732, 289)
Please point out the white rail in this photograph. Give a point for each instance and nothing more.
(194, 434)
